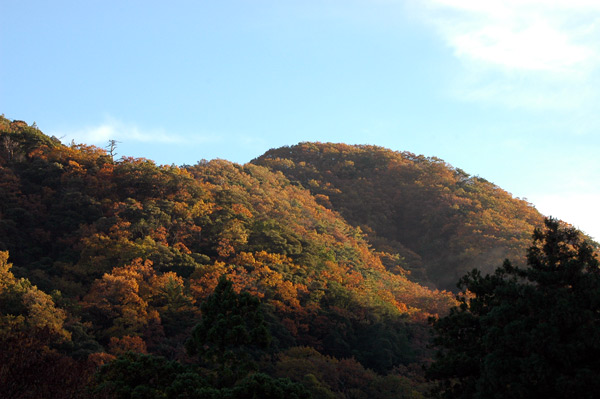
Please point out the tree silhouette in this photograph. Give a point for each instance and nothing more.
(111, 147)
(526, 333)
(231, 334)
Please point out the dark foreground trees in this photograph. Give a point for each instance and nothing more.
(525, 333)
(231, 334)
(229, 337)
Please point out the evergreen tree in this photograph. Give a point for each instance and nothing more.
(525, 333)
(231, 334)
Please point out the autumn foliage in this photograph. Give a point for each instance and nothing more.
(439, 219)
(333, 250)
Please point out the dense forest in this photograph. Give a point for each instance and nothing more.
(314, 271)
(442, 221)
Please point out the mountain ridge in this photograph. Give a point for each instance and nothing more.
(126, 251)
(109, 261)
(413, 205)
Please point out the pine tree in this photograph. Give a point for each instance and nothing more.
(525, 333)
(231, 334)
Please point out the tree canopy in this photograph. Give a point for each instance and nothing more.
(114, 256)
(231, 333)
(311, 272)
(441, 221)
(526, 332)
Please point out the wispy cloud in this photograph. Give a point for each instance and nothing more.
(113, 129)
(526, 53)
(559, 36)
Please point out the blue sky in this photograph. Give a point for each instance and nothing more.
(507, 90)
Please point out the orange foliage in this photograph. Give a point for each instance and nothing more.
(127, 343)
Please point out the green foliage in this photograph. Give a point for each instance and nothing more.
(525, 333)
(24, 307)
(265, 387)
(17, 140)
(231, 333)
(130, 249)
(328, 377)
(138, 376)
(274, 237)
(441, 221)
(134, 375)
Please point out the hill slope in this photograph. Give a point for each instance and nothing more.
(129, 250)
(442, 221)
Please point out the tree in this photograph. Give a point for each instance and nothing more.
(24, 307)
(111, 148)
(263, 386)
(135, 375)
(119, 300)
(525, 333)
(29, 368)
(231, 333)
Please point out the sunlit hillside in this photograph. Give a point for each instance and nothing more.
(442, 221)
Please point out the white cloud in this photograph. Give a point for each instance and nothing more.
(113, 129)
(523, 35)
(523, 53)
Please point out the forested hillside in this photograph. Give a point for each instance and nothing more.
(442, 221)
(103, 257)
(307, 273)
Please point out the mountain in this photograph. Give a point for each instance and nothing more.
(310, 272)
(439, 219)
(102, 257)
